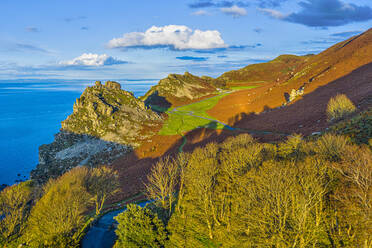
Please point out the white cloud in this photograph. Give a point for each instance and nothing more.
(172, 36)
(234, 11)
(91, 59)
(274, 13)
(200, 13)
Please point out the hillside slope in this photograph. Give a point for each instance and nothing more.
(280, 69)
(344, 68)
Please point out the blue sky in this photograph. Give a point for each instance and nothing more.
(148, 39)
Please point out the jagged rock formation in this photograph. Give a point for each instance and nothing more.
(178, 89)
(111, 114)
(106, 123)
(294, 94)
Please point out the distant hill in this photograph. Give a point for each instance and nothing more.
(176, 90)
(280, 69)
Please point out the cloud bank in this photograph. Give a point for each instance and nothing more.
(91, 59)
(324, 13)
(172, 36)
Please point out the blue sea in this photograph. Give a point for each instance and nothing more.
(31, 112)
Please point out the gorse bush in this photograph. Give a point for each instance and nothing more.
(339, 107)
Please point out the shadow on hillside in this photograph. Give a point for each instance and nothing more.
(157, 103)
(69, 150)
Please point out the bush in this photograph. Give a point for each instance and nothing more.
(139, 227)
(339, 107)
(358, 128)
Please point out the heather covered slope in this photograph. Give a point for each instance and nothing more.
(278, 70)
(344, 68)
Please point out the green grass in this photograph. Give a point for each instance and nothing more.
(200, 108)
(180, 121)
(243, 87)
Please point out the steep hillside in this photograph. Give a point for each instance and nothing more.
(343, 68)
(176, 90)
(278, 70)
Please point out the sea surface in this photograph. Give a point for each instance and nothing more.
(31, 112)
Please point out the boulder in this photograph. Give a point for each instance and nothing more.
(113, 85)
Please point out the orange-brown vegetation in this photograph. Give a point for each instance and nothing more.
(345, 68)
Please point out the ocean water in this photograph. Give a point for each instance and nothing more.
(31, 113)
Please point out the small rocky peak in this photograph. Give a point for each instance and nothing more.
(113, 85)
(98, 84)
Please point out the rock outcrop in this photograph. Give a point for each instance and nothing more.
(70, 150)
(111, 114)
(179, 89)
(106, 123)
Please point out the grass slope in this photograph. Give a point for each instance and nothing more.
(180, 119)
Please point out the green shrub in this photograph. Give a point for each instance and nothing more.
(358, 128)
(339, 107)
(139, 227)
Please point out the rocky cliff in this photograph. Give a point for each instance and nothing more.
(111, 114)
(179, 89)
(106, 123)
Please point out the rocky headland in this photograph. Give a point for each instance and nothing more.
(107, 122)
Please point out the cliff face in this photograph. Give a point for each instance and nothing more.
(106, 123)
(178, 89)
(111, 114)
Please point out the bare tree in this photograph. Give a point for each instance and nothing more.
(162, 183)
